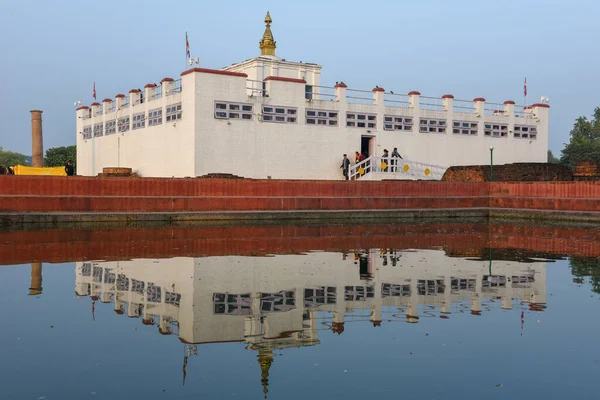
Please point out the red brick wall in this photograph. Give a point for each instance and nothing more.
(80, 194)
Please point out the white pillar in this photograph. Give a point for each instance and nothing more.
(107, 106)
(120, 100)
(414, 101)
(479, 106)
(135, 96)
(168, 84)
(150, 92)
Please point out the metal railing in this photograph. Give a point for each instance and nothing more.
(463, 106)
(494, 109)
(359, 96)
(321, 93)
(411, 169)
(431, 103)
(255, 88)
(396, 100)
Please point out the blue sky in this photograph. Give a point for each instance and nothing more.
(53, 51)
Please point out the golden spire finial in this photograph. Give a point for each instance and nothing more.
(265, 359)
(267, 44)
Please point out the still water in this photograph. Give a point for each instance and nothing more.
(423, 312)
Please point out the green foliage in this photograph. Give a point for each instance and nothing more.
(10, 158)
(58, 156)
(552, 159)
(582, 268)
(584, 144)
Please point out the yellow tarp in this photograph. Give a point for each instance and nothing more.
(53, 171)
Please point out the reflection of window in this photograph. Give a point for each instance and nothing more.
(97, 274)
(430, 287)
(493, 281)
(358, 293)
(391, 290)
(315, 297)
(463, 284)
(522, 281)
(277, 302)
(122, 283)
(137, 286)
(86, 269)
(396, 123)
(359, 120)
(234, 304)
(172, 298)
(109, 276)
(154, 293)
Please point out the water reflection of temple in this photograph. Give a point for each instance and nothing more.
(285, 300)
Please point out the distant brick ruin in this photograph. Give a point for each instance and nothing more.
(518, 172)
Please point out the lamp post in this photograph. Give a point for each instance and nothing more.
(491, 163)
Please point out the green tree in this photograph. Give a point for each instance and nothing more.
(582, 268)
(58, 156)
(10, 158)
(584, 144)
(552, 159)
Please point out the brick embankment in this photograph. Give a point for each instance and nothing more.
(25, 199)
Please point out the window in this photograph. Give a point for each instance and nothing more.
(86, 269)
(490, 281)
(109, 276)
(87, 132)
(322, 117)
(139, 121)
(432, 126)
(357, 120)
(236, 304)
(457, 284)
(123, 124)
(282, 115)
(308, 94)
(358, 293)
(391, 290)
(522, 281)
(225, 110)
(319, 296)
(278, 302)
(464, 128)
(97, 130)
(395, 123)
(153, 293)
(110, 127)
(122, 283)
(97, 274)
(137, 286)
(525, 132)
(155, 117)
(173, 112)
(172, 298)
(430, 287)
(496, 130)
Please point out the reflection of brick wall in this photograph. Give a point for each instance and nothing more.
(459, 240)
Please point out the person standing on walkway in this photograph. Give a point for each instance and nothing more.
(345, 166)
(385, 160)
(69, 168)
(395, 164)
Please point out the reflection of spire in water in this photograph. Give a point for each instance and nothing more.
(522, 321)
(35, 287)
(185, 358)
(265, 359)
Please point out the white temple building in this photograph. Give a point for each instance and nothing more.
(270, 118)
